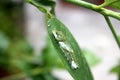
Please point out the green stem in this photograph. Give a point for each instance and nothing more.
(118, 75)
(42, 9)
(112, 29)
(95, 8)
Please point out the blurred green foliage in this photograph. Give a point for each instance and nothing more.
(116, 70)
(4, 42)
(119, 38)
(9, 13)
(91, 58)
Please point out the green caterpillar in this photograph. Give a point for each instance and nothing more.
(68, 52)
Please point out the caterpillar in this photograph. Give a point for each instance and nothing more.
(66, 49)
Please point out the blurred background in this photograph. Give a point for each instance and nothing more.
(26, 52)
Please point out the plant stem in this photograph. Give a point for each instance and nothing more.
(42, 9)
(112, 29)
(95, 8)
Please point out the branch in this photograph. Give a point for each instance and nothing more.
(95, 8)
(112, 30)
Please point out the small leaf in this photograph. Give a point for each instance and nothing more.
(116, 5)
(91, 58)
(109, 1)
(116, 69)
(112, 3)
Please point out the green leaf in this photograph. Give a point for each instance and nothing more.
(29, 69)
(91, 58)
(20, 48)
(45, 76)
(116, 5)
(112, 3)
(82, 72)
(119, 38)
(116, 69)
(67, 48)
